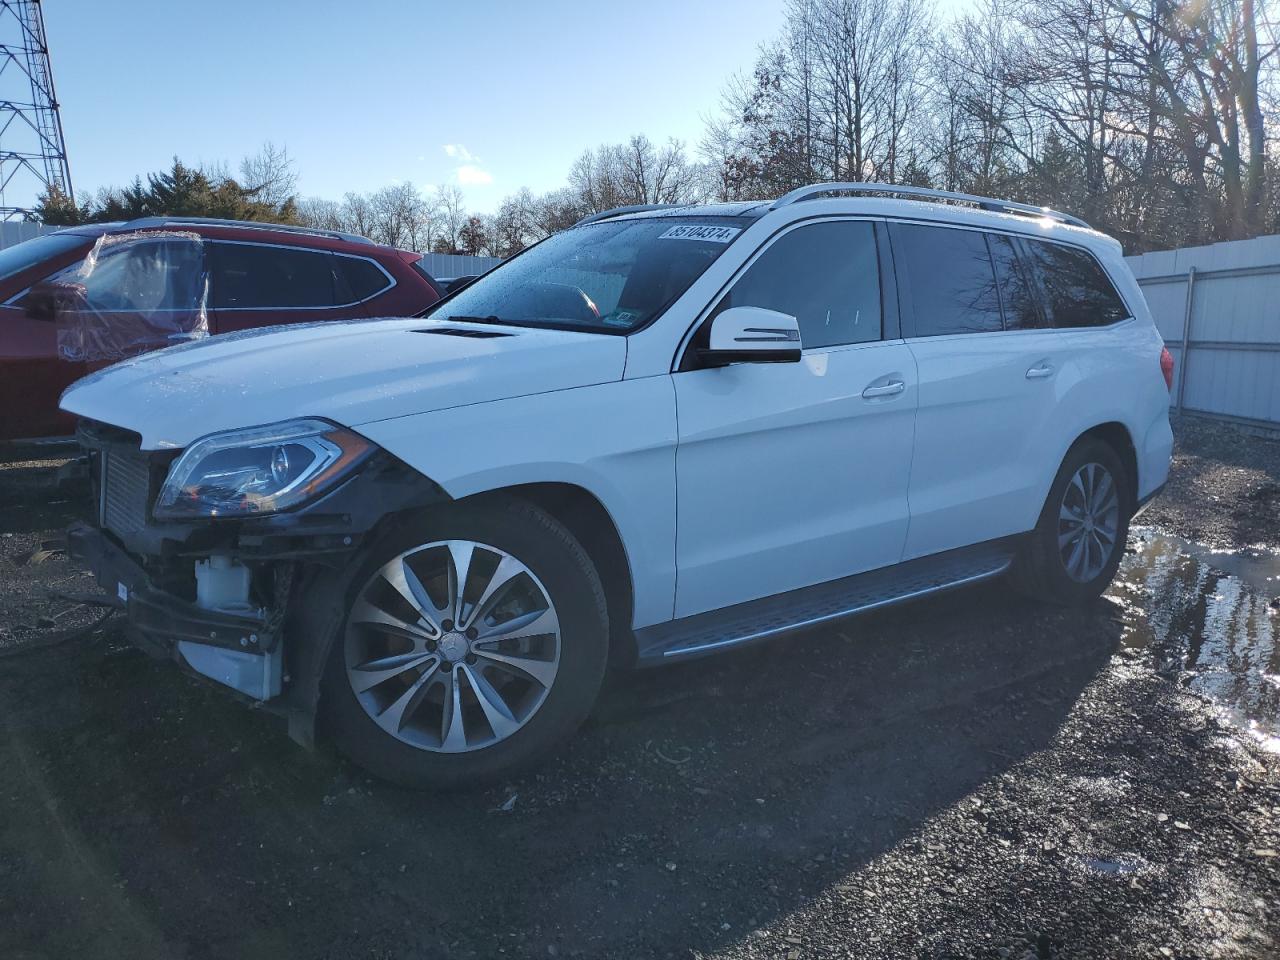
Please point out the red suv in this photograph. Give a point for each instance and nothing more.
(84, 297)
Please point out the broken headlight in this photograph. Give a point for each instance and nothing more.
(259, 470)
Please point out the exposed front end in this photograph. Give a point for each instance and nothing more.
(207, 550)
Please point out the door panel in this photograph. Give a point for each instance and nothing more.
(990, 382)
(983, 431)
(32, 377)
(787, 476)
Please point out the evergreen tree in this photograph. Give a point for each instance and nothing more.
(180, 191)
(55, 208)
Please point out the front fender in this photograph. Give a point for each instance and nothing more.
(616, 440)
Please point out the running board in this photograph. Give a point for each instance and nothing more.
(744, 623)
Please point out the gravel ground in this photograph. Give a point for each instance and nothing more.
(970, 776)
(1224, 491)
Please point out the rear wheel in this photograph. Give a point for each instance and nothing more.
(1076, 547)
(473, 641)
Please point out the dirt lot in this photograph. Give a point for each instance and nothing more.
(972, 776)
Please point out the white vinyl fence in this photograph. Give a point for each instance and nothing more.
(446, 266)
(1218, 309)
(15, 231)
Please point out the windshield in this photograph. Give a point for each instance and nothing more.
(610, 277)
(22, 256)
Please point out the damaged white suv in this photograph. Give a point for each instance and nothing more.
(663, 433)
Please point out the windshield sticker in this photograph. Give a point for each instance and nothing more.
(694, 231)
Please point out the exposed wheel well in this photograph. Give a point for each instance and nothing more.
(1116, 436)
(591, 526)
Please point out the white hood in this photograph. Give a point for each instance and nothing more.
(348, 372)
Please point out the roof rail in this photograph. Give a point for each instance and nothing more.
(142, 223)
(925, 193)
(630, 208)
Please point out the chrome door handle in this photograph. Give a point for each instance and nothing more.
(1041, 370)
(890, 389)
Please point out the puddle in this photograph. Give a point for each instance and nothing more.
(1210, 613)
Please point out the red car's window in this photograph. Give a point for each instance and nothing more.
(247, 276)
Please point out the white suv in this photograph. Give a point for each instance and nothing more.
(662, 433)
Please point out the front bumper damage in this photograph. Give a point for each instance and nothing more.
(242, 652)
(254, 648)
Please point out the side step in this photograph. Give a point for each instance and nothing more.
(744, 623)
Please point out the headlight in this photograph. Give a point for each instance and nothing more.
(259, 470)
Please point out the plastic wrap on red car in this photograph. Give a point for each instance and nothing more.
(133, 293)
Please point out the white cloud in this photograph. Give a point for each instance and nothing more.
(458, 152)
(469, 171)
(470, 176)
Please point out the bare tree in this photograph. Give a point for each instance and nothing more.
(451, 217)
(320, 214)
(1148, 117)
(398, 215)
(269, 175)
(357, 215)
(635, 172)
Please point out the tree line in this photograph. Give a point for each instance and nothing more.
(1148, 118)
(1153, 120)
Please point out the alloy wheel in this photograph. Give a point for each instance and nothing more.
(452, 646)
(1088, 522)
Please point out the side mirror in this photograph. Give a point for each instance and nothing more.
(457, 283)
(41, 301)
(751, 335)
(46, 299)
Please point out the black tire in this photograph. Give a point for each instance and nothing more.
(1040, 570)
(544, 545)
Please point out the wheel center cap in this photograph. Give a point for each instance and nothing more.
(1088, 524)
(453, 646)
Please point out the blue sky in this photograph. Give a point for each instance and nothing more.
(489, 94)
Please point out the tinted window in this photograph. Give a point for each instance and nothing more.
(953, 288)
(1020, 309)
(826, 275)
(1077, 292)
(358, 279)
(245, 276)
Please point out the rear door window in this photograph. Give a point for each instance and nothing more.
(826, 275)
(950, 278)
(263, 276)
(1021, 311)
(1077, 292)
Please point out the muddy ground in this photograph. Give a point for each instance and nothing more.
(971, 776)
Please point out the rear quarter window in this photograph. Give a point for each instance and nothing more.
(1077, 291)
(359, 279)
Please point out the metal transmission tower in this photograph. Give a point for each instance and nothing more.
(33, 154)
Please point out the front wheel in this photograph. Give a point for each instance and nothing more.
(474, 640)
(1078, 543)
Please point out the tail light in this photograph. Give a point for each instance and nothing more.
(1166, 367)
